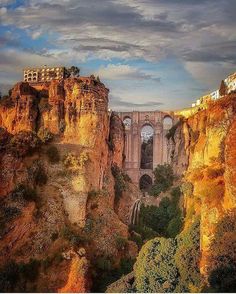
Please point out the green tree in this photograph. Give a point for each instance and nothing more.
(164, 177)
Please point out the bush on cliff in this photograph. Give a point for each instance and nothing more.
(170, 265)
(187, 258)
(37, 173)
(25, 192)
(14, 276)
(53, 154)
(164, 177)
(121, 180)
(45, 135)
(24, 143)
(166, 219)
(222, 261)
(155, 269)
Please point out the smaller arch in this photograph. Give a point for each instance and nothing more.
(167, 122)
(127, 121)
(145, 183)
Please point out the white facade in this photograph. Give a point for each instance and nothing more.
(215, 95)
(43, 74)
(230, 82)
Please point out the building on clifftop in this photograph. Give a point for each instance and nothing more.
(43, 74)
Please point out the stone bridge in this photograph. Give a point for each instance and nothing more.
(157, 124)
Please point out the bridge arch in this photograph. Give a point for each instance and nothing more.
(127, 121)
(145, 183)
(146, 133)
(167, 122)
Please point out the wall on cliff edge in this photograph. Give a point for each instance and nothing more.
(204, 155)
(71, 202)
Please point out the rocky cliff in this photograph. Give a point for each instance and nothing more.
(61, 156)
(205, 154)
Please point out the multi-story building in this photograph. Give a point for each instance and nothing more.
(43, 74)
(230, 83)
(215, 95)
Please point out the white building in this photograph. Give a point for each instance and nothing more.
(230, 82)
(215, 95)
(43, 74)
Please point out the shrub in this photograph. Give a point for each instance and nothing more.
(7, 213)
(53, 154)
(121, 242)
(164, 178)
(187, 188)
(88, 225)
(137, 239)
(174, 226)
(24, 143)
(14, 276)
(155, 269)
(104, 263)
(9, 275)
(54, 236)
(75, 162)
(170, 265)
(25, 192)
(222, 259)
(187, 258)
(93, 193)
(121, 180)
(145, 232)
(30, 270)
(71, 236)
(45, 135)
(223, 279)
(37, 173)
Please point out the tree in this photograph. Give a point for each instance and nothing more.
(223, 88)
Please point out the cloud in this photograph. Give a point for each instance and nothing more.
(121, 105)
(200, 35)
(124, 72)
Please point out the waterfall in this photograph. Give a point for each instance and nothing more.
(134, 217)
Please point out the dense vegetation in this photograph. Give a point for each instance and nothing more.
(170, 265)
(164, 178)
(121, 180)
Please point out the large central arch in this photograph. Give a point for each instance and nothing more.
(146, 160)
(160, 122)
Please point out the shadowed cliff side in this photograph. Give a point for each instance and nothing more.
(58, 146)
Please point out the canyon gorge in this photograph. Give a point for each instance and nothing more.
(72, 215)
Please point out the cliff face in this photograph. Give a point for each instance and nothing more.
(59, 144)
(205, 145)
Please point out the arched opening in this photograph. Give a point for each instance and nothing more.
(146, 147)
(145, 183)
(127, 122)
(167, 122)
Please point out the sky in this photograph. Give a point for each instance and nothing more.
(151, 54)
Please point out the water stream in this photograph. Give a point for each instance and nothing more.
(134, 217)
